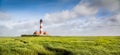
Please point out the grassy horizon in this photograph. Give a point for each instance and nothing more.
(60, 45)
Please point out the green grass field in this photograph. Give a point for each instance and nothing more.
(60, 46)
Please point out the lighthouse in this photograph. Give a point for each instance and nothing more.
(41, 27)
(40, 32)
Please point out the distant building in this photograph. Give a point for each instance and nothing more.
(36, 33)
(45, 33)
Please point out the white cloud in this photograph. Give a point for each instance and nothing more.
(4, 16)
(84, 9)
(81, 9)
(58, 17)
(112, 5)
(86, 23)
(10, 28)
(117, 17)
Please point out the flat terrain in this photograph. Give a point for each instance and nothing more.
(60, 45)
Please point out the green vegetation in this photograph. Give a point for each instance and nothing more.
(60, 46)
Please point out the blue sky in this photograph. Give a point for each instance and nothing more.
(65, 17)
(37, 6)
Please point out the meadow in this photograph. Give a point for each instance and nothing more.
(89, 45)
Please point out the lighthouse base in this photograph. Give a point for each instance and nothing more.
(34, 35)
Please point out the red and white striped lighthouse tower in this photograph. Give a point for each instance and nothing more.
(41, 27)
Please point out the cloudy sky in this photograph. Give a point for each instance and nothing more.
(61, 17)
